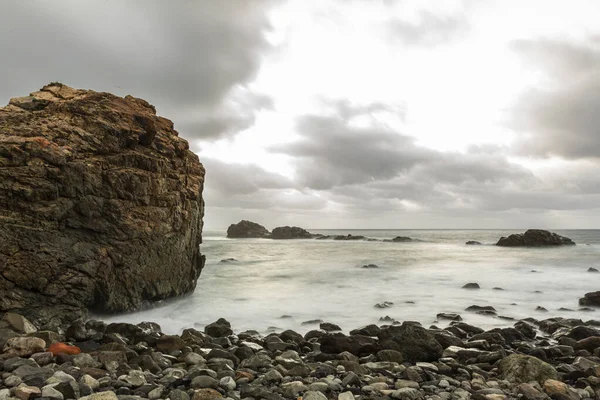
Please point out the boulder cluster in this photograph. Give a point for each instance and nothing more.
(554, 358)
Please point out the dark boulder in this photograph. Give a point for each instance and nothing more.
(290, 232)
(358, 345)
(369, 330)
(219, 328)
(412, 340)
(590, 299)
(534, 238)
(471, 285)
(101, 205)
(473, 243)
(246, 229)
(402, 239)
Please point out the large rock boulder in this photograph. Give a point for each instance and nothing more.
(100, 205)
(534, 238)
(246, 229)
(412, 340)
(290, 232)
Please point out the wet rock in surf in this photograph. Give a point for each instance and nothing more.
(312, 322)
(534, 238)
(348, 237)
(385, 304)
(329, 327)
(449, 316)
(473, 243)
(228, 260)
(105, 211)
(471, 285)
(219, 328)
(590, 299)
(370, 266)
(246, 229)
(290, 232)
(402, 239)
(592, 269)
(482, 310)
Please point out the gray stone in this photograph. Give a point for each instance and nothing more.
(293, 389)
(90, 381)
(50, 392)
(346, 396)
(101, 396)
(227, 383)
(518, 368)
(407, 394)
(314, 395)
(405, 383)
(273, 376)
(177, 394)
(204, 382)
(135, 378)
(318, 386)
(18, 323)
(43, 358)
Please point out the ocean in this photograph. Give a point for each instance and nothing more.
(324, 280)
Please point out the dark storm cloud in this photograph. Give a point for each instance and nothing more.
(332, 152)
(429, 30)
(560, 117)
(177, 55)
(234, 179)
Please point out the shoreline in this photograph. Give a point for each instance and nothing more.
(530, 359)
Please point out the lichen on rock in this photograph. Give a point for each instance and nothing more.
(100, 205)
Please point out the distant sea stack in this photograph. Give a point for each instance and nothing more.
(100, 205)
(290, 232)
(534, 238)
(247, 229)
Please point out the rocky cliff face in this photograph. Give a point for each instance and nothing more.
(100, 205)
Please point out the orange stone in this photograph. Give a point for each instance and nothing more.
(57, 348)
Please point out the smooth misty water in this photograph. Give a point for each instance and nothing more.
(323, 279)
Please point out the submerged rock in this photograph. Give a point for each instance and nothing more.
(534, 238)
(290, 232)
(246, 229)
(101, 205)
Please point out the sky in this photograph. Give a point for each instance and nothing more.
(347, 114)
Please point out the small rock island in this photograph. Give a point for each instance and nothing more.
(534, 238)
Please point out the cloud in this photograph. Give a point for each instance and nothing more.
(189, 57)
(232, 179)
(560, 116)
(332, 151)
(430, 30)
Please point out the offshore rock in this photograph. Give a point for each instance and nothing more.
(247, 229)
(290, 232)
(100, 205)
(534, 238)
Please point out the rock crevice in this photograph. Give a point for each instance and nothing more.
(100, 205)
